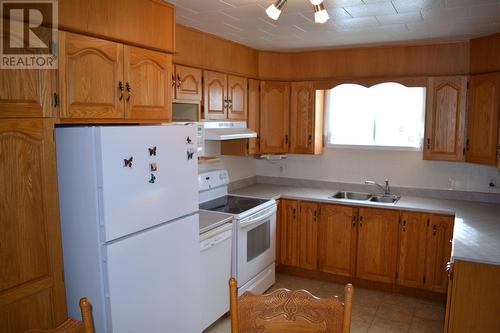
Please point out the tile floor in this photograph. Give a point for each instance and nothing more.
(373, 311)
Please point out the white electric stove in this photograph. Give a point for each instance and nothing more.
(254, 231)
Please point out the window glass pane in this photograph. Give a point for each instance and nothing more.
(387, 114)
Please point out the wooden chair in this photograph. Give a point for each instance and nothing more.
(286, 311)
(72, 325)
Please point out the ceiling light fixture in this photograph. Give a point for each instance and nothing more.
(274, 10)
(320, 13)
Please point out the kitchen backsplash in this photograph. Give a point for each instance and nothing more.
(402, 168)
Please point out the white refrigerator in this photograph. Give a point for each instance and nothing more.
(128, 199)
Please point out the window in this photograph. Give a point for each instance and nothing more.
(384, 115)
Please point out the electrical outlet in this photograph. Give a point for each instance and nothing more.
(492, 181)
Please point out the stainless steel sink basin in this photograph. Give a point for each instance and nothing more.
(385, 198)
(361, 196)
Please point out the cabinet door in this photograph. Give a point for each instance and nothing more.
(215, 98)
(187, 83)
(438, 252)
(147, 91)
(337, 239)
(377, 244)
(306, 119)
(91, 77)
(289, 233)
(308, 235)
(474, 302)
(482, 135)
(445, 118)
(138, 22)
(411, 265)
(274, 116)
(31, 285)
(278, 232)
(253, 115)
(27, 93)
(236, 97)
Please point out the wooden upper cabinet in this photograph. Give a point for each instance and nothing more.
(91, 77)
(306, 119)
(438, 252)
(308, 235)
(289, 233)
(215, 95)
(412, 243)
(136, 22)
(147, 90)
(236, 97)
(377, 244)
(187, 83)
(274, 116)
(26, 93)
(246, 147)
(31, 287)
(253, 121)
(445, 118)
(484, 105)
(337, 239)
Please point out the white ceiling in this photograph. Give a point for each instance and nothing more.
(352, 22)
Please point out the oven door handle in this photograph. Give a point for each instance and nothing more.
(257, 218)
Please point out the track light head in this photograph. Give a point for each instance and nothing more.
(274, 10)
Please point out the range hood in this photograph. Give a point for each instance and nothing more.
(227, 130)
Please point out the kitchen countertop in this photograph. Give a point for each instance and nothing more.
(476, 235)
(211, 220)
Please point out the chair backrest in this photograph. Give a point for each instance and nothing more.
(284, 310)
(86, 325)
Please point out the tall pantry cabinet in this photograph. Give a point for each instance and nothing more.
(31, 284)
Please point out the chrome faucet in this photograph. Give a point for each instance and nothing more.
(386, 188)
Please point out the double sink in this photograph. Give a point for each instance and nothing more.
(361, 196)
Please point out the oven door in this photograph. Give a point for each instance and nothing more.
(256, 244)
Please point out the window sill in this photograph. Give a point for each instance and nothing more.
(370, 147)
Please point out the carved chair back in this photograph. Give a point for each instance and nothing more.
(286, 311)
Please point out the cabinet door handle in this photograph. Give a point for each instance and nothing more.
(309, 139)
(294, 212)
(361, 221)
(434, 229)
(129, 91)
(428, 143)
(120, 89)
(404, 225)
(174, 82)
(354, 221)
(179, 81)
(286, 139)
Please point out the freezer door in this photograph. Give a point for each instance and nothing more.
(147, 175)
(154, 280)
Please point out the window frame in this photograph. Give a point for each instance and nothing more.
(369, 84)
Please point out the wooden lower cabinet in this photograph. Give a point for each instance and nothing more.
(278, 232)
(473, 298)
(377, 244)
(308, 235)
(337, 239)
(31, 284)
(412, 244)
(289, 251)
(438, 251)
(407, 249)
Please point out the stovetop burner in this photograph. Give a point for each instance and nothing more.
(232, 204)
